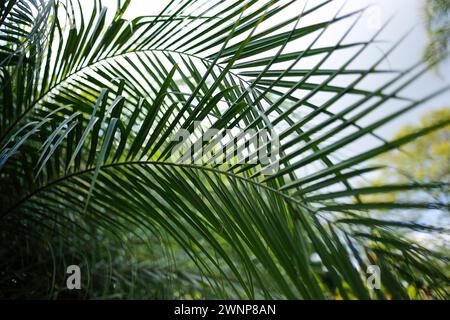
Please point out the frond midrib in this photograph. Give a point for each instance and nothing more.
(161, 163)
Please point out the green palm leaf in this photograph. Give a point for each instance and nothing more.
(92, 110)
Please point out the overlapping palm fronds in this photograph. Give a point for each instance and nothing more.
(92, 107)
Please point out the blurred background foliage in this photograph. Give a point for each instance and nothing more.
(437, 23)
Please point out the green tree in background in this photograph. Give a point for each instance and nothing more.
(437, 22)
(427, 159)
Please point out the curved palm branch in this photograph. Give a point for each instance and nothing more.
(93, 107)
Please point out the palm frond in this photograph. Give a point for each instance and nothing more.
(93, 113)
